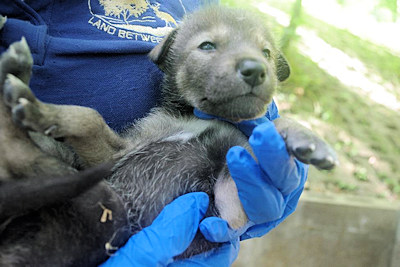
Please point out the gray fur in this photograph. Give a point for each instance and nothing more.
(171, 152)
(49, 213)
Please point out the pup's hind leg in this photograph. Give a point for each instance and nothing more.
(19, 156)
(81, 127)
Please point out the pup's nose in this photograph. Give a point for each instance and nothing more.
(253, 72)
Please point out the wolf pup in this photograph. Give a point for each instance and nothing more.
(219, 61)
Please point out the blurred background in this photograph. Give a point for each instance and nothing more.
(345, 85)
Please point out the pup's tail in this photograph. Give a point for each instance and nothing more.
(22, 196)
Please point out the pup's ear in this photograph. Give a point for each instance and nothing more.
(282, 68)
(159, 54)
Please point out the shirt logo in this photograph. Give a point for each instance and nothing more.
(139, 20)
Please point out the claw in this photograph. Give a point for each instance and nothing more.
(49, 130)
(8, 99)
(328, 163)
(312, 147)
(12, 51)
(20, 46)
(10, 83)
(2, 21)
(23, 101)
(330, 160)
(15, 89)
(18, 115)
(305, 150)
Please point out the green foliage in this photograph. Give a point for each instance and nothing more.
(236, 3)
(391, 5)
(372, 124)
(341, 2)
(361, 174)
(378, 59)
(370, 150)
(295, 21)
(343, 186)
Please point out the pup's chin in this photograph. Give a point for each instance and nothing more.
(237, 109)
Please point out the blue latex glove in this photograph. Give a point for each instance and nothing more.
(268, 189)
(223, 256)
(169, 235)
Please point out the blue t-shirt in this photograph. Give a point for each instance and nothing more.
(94, 53)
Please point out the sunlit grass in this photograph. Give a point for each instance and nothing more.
(369, 20)
(377, 58)
(372, 129)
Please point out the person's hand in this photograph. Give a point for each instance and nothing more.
(223, 256)
(169, 235)
(269, 188)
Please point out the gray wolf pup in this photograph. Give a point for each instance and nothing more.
(220, 61)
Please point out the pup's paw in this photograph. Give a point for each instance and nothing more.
(26, 110)
(305, 145)
(310, 149)
(15, 90)
(18, 61)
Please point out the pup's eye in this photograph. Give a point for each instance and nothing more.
(207, 46)
(267, 53)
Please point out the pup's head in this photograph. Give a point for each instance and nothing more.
(223, 62)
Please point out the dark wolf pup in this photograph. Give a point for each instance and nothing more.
(220, 61)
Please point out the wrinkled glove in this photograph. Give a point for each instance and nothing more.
(169, 235)
(268, 189)
(223, 256)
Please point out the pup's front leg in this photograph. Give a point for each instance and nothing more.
(305, 145)
(83, 128)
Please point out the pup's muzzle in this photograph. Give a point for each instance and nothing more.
(252, 71)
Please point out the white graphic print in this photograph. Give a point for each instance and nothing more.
(138, 20)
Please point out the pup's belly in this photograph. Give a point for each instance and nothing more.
(153, 175)
(150, 178)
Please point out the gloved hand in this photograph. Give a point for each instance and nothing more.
(169, 235)
(223, 256)
(268, 189)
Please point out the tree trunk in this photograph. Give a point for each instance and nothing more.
(295, 21)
